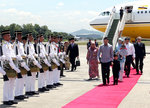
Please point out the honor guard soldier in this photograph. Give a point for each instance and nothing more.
(33, 65)
(21, 57)
(43, 59)
(62, 56)
(61, 49)
(55, 61)
(50, 74)
(10, 68)
(5, 77)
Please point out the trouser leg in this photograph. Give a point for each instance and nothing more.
(137, 64)
(17, 86)
(58, 75)
(55, 75)
(72, 61)
(51, 78)
(6, 91)
(40, 82)
(121, 71)
(47, 77)
(133, 64)
(33, 81)
(103, 73)
(11, 90)
(141, 64)
(114, 77)
(44, 78)
(128, 64)
(22, 85)
(62, 71)
(108, 71)
(28, 82)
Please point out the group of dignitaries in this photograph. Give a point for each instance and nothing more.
(120, 59)
(22, 59)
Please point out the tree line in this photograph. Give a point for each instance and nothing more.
(35, 29)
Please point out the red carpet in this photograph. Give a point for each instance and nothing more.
(106, 96)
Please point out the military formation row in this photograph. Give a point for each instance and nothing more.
(20, 62)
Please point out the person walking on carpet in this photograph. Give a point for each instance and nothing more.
(106, 53)
(93, 61)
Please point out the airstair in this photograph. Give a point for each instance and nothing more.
(115, 28)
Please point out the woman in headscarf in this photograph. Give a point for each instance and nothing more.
(122, 52)
(92, 60)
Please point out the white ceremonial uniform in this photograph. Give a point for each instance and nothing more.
(6, 83)
(20, 82)
(42, 54)
(30, 80)
(55, 59)
(8, 51)
(49, 78)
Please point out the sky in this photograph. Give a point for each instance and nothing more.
(59, 15)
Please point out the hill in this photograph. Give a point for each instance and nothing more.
(88, 34)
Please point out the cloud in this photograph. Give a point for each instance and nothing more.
(3, 5)
(93, 13)
(12, 15)
(60, 4)
(56, 20)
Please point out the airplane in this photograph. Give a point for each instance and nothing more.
(77, 38)
(139, 25)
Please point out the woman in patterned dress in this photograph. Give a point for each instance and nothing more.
(92, 60)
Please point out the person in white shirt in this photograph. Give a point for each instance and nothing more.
(25, 70)
(114, 9)
(45, 64)
(10, 68)
(130, 55)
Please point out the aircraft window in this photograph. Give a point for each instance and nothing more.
(141, 11)
(138, 12)
(145, 11)
(108, 13)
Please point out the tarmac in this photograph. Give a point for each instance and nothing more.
(75, 85)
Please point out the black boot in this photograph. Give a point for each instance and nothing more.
(41, 70)
(59, 68)
(50, 69)
(29, 73)
(19, 75)
(7, 103)
(5, 78)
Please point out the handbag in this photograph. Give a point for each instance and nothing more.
(78, 62)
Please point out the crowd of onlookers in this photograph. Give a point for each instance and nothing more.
(119, 58)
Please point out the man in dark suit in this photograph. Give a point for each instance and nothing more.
(140, 54)
(73, 52)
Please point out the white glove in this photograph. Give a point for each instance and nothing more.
(19, 58)
(62, 61)
(35, 55)
(35, 62)
(47, 63)
(56, 62)
(12, 65)
(2, 71)
(3, 58)
(23, 64)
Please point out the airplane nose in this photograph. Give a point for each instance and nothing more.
(99, 20)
